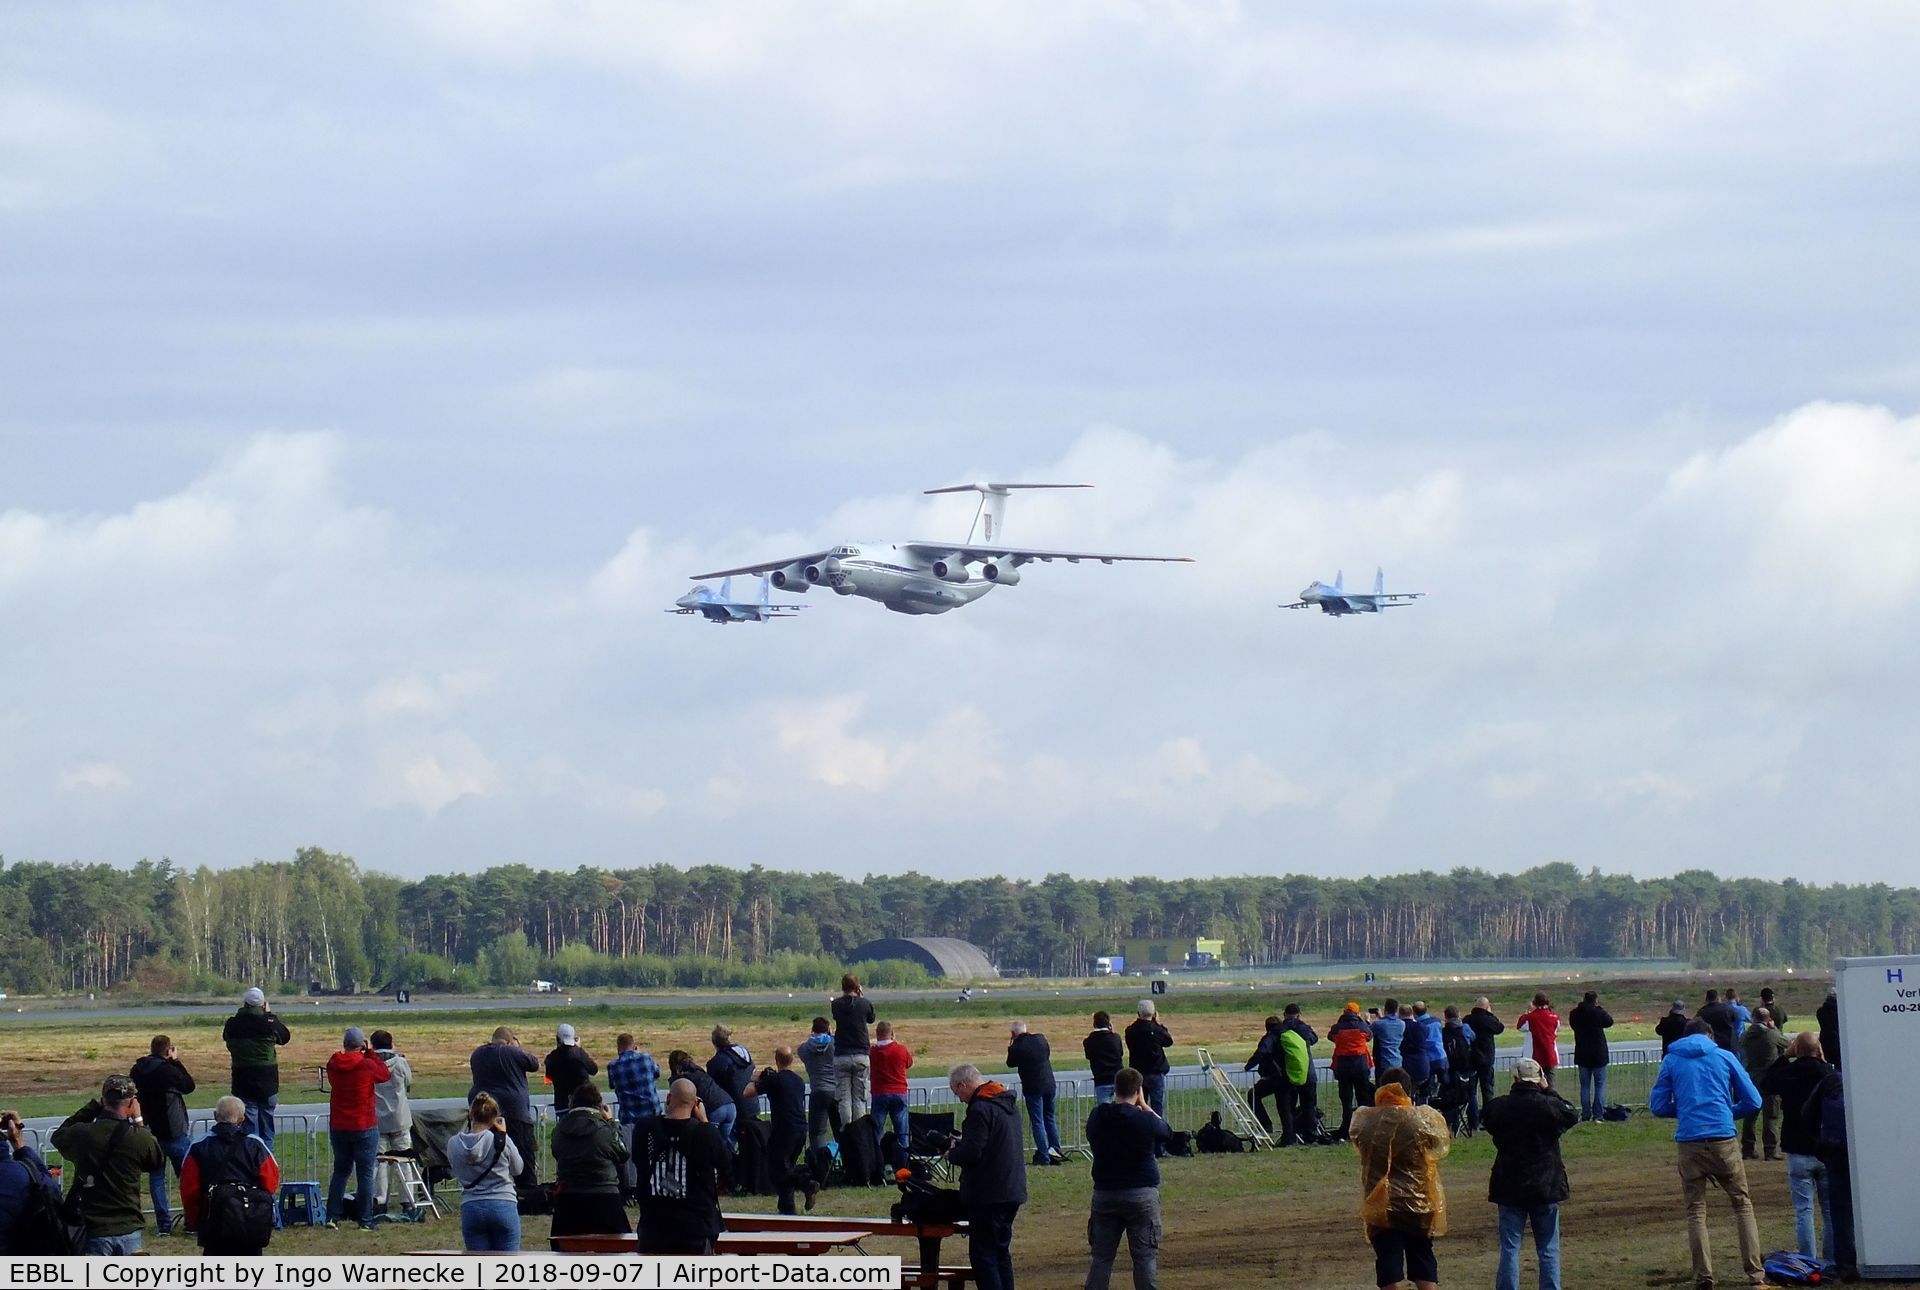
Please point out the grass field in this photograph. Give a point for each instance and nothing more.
(1289, 1218)
(47, 1068)
(1277, 1218)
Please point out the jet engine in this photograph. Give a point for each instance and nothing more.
(954, 570)
(823, 571)
(792, 578)
(1004, 574)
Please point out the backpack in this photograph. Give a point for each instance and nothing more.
(43, 1227)
(1213, 1138)
(1793, 1269)
(860, 1154)
(1832, 1096)
(237, 1214)
(1180, 1143)
(1618, 1111)
(922, 1202)
(1299, 1065)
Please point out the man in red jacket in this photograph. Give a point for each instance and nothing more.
(354, 1124)
(889, 1060)
(1543, 1029)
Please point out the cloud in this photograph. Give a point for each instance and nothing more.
(97, 775)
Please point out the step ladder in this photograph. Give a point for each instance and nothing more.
(1235, 1112)
(413, 1191)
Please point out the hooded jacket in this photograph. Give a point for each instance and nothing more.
(352, 1076)
(1401, 1146)
(1704, 1088)
(482, 1174)
(228, 1154)
(1123, 1140)
(1526, 1125)
(20, 1172)
(991, 1151)
(391, 1105)
(816, 1054)
(732, 1069)
(1147, 1044)
(587, 1153)
(1589, 1023)
(252, 1036)
(1429, 1024)
(163, 1086)
(1350, 1035)
(1672, 1028)
(1106, 1054)
(852, 1014)
(1720, 1017)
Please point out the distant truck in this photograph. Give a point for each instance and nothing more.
(1110, 965)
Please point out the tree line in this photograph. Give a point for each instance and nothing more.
(319, 918)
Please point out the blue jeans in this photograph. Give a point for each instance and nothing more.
(1102, 1094)
(353, 1151)
(128, 1244)
(1155, 1087)
(723, 1118)
(1593, 1091)
(1807, 1180)
(1546, 1243)
(176, 1151)
(260, 1118)
(891, 1109)
(1046, 1124)
(490, 1224)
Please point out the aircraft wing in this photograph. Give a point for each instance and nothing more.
(1299, 604)
(1025, 555)
(1387, 598)
(810, 558)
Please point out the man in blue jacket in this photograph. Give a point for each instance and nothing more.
(1706, 1090)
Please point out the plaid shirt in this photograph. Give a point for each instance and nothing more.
(632, 1076)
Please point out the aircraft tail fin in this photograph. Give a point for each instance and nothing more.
(1340, 580)
(990, 518)
(726, 588)
(766, 591)
(1379, 582)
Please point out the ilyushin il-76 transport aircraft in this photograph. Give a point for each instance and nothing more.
(723, 608)
(1334, 600)
(928, 577)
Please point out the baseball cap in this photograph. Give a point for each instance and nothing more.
(1679, 1005)
(1352, 1007)
(117, 1090)
(355, 1037)
(565, 1034)
(1527, 1071)
(255, 996)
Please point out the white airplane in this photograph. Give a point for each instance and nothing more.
(1337, 601)
(928, 577)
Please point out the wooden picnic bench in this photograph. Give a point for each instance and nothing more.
(928, 1272)
(795, 1243)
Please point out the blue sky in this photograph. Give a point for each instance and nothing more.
(374, 374)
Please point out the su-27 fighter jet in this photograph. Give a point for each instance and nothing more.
(928, 577)
(723, 608)
(1336, 601)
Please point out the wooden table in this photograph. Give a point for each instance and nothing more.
(929, 1235)
(760, 1242)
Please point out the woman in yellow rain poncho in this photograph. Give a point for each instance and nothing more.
(1400, 1147)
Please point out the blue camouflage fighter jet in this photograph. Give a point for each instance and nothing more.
(723, 608)
(1336, 600)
